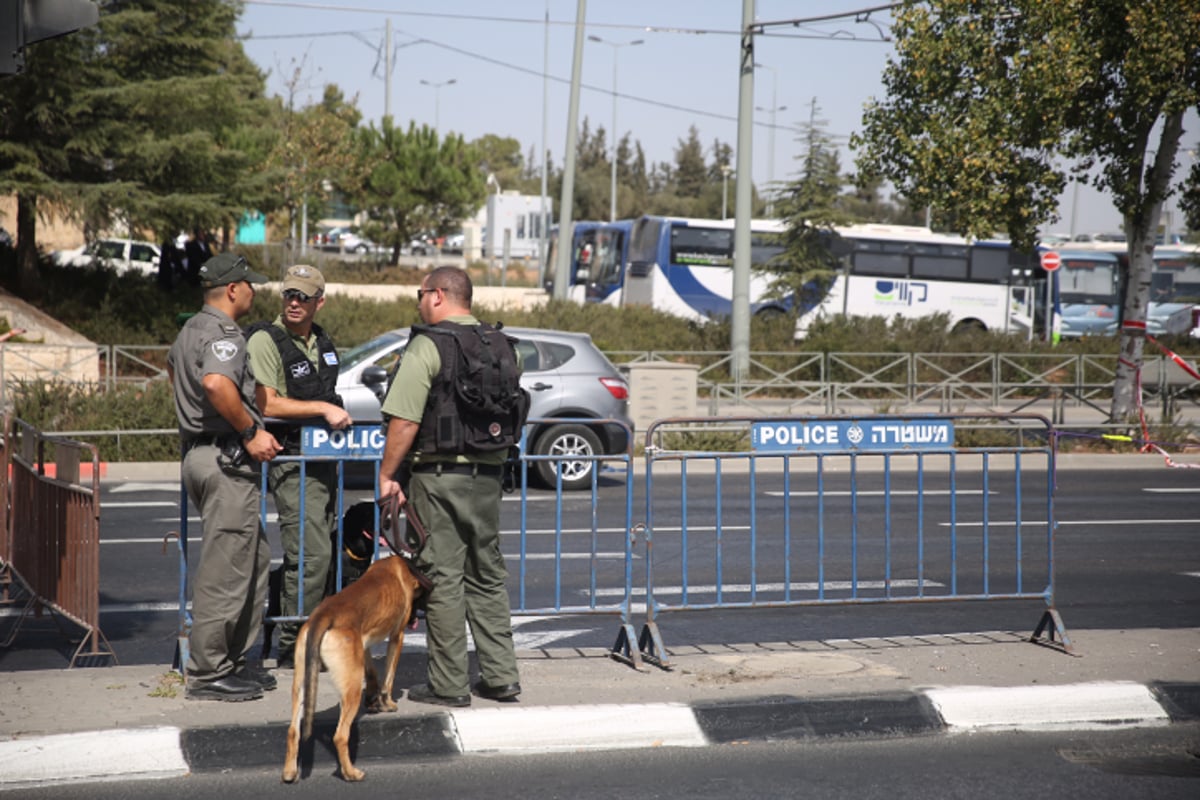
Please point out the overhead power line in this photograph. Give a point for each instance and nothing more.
(860, 16)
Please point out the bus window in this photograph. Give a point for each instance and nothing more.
(1162, 287)
(607, 267)
(1084, 281)
(703, 246)
(990, 264)
(764, 249)
(867, 263)
(953, 268)
(585, 247)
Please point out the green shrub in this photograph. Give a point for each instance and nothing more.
(56, 407)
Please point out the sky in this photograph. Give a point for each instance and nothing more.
(684, 72)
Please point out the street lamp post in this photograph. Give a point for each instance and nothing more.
(725, 170)
(771, 136)
(612, 207)
(437, 98)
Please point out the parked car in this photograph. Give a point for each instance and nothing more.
(565, 374)
(454, 242)
(421, 245)
(344, 240)
(121, 255)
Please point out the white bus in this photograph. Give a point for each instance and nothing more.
(685, 267)
(912, 272)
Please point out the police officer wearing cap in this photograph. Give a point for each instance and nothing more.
(223, 440)
(296, 368)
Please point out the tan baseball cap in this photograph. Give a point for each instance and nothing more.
(304, 278)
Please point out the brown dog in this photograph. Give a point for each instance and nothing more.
(339, 634)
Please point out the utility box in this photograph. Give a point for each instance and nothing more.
(660, 389)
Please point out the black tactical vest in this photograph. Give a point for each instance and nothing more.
(476, 403)
(305, 380)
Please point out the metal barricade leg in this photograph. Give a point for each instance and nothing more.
(1052, 624)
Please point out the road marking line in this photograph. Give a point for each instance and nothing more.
(881, 493)
(1074, 523)
(134, 486)
(744, 588)
(138, 504)
(565, 556)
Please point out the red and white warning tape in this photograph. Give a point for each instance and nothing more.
(1190, 369)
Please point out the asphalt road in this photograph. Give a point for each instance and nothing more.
(1126, 556)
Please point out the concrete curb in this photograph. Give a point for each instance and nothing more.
(513, 729)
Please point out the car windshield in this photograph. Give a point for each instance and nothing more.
(370, 350)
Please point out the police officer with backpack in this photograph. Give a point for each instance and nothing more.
(456, 444)
(296, 369)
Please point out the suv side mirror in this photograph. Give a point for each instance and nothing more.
(375, 378)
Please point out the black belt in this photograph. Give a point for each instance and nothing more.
(216, 439)
(450, 468)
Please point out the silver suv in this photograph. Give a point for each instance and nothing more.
(565, 374)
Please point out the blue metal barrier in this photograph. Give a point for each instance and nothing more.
(588, 574)
(809, 515)
(560, 570)
(359, 455)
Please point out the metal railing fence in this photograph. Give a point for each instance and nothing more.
(834, 511)
(826, 378)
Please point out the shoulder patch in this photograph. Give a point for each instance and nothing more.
(331, 359)
(224, 350)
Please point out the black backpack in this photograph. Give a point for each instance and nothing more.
(481, 407)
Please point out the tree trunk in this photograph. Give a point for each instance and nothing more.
(1126, 386)
(1141, 228)
(27, 252)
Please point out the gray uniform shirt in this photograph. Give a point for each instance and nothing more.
(210, 342)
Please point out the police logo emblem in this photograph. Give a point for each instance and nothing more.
(224, 350)
(301, 369)
(855, 434)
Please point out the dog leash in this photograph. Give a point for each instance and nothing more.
(390, 520)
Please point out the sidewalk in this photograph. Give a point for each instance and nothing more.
(101, 722)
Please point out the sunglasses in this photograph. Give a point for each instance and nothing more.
(296, 294)
(422, 292)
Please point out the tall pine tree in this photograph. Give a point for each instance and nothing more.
(153, 120)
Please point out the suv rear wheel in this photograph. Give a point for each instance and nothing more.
(563, 441)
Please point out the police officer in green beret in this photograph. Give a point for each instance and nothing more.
(223, 441)
(296, 367)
